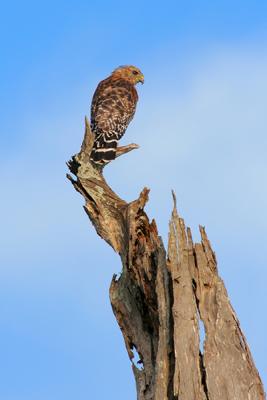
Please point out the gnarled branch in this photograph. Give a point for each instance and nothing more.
(159, 299)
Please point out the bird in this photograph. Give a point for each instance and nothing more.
(112, 109)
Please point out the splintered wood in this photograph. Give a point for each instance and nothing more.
(159, 299)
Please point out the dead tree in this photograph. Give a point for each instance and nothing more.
(159, 298)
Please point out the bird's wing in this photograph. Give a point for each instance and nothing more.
(113, 107)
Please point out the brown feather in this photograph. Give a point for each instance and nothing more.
(113, 107)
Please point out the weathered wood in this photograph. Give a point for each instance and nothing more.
(188, 372)
(159, 299)
(230, 370)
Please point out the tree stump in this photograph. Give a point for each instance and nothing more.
(160, 298)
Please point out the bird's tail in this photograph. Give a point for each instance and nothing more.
(104, 150)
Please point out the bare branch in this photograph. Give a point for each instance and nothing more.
(125, 149)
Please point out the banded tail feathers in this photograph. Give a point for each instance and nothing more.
(104, 150)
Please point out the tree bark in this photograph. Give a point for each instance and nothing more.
(160, 298)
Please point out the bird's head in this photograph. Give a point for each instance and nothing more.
(129, 73)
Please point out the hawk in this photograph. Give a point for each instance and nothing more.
(113, 107)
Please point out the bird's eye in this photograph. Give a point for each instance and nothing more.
(135, 72)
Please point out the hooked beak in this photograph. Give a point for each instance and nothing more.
(142, 79)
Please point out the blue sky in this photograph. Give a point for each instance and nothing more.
(201, 116)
